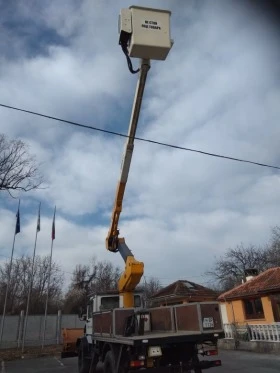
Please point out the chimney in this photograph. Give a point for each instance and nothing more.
(250, 273)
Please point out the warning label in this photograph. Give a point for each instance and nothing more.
(148, 24)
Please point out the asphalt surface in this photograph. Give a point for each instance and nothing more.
(233, 362)
(247, 362)
(40, 365)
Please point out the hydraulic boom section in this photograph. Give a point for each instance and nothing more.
(133, 269)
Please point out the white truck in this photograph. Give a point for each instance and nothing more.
(161, 339)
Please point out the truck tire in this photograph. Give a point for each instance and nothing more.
(196, 360)
(83, 362)
(93, 363)
(109, 363)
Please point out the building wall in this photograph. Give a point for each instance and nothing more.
(235, 312)
(224, 313)
(267, 307)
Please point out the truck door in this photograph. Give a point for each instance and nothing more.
(90, 308)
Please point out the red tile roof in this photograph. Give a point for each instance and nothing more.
(182, 288)
(265, 282)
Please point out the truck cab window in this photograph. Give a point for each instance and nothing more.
(137, 301)
(108, 303)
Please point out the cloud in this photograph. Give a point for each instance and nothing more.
(217, 91)
(82, 175)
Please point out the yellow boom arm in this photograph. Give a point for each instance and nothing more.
(134, 270)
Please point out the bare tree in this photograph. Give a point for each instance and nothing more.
(274, 247)
(20, 282)
(18, 169)
(79, 289)
(89, 279)
(151, 287)
(106, 278)
(228, 271)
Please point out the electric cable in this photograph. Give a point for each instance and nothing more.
(140, 138)
(129, 63)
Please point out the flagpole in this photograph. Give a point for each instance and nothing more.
(17, 230)
(49, 276)
(31, 281)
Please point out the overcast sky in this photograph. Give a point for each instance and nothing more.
(218, 91)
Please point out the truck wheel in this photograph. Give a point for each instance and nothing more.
(196, 360)
(83, 362)
(109, 363)
(93, 364)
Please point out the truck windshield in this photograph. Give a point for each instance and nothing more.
(108, 303)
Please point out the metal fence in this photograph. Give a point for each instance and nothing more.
(253, 332)
(13, 329)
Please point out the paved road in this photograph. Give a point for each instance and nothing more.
(40, 365)
(233, 362)
(247, 362)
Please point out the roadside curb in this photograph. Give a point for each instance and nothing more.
(264, 347)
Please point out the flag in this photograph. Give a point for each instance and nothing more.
(53, 225)
(39, 220)
(18, 221)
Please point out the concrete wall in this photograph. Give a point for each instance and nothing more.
(267, 308)
(13, 329)
(259, 346)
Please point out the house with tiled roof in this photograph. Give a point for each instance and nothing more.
(182, 291)
(255, 301)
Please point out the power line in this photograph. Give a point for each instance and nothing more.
(141, 138)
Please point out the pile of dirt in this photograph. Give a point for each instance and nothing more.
(30, 352)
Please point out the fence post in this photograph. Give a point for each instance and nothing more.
(20, 330)
(58, 327)
(277, 336)
(248, 332)
(274, 332)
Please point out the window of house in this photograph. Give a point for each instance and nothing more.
(253, 308)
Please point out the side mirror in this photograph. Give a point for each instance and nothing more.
(84, 317)
(82, 314)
